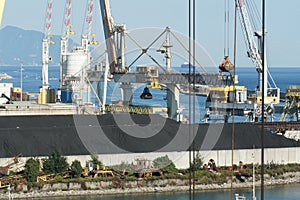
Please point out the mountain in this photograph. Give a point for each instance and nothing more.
(18, 45)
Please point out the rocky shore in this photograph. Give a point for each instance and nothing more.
(165, 185)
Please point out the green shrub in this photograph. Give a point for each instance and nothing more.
(197, 163)
(31, 170)
(96, 162)
(55, 163)
(58, 179)
(165, 164)
(76, 169)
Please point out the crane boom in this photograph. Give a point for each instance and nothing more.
(115, 39)
(67, 18)
(254, 50)
(270, 95)
(67, 28)
(87, 29)
(45, 45)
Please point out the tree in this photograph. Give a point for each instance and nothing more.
(165, 164)
(55, 163)
(31, 171)
(197, 163)
(96, 162)
(76, 169)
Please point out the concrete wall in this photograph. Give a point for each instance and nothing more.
(181, 159)
(221, 157)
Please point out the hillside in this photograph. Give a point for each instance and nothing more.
(17, 45)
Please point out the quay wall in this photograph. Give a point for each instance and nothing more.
(181, 159)
(221, 157)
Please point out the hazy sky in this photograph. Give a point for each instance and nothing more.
(282, 23)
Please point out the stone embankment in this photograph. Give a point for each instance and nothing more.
(127, 187)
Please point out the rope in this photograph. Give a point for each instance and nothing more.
(194, 96)
(190, 107)
(192, 45)
(188, 51)
(228, 27)
(225, 27)
(263, 103)
(256, 18)
(145, 51)
(233, 102)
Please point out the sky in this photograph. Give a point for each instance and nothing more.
(282, 23)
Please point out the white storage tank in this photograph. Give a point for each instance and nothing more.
(75, 62)
(74, 87)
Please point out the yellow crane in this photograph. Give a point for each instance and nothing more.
(292, 104)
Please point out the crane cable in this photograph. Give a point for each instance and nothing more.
(256, 22)
(190, 107)
(192, 50)
(226, 28)
(194, 96)
(234, 97)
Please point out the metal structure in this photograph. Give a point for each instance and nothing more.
(115, 48)
(226, 101)
(114, 38)
(75, 62)
(271, 94)
(67, 29)
(74, 88)
(45, 45)
(291, 105)
(87, 29)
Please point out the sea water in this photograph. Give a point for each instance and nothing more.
(282, 192)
